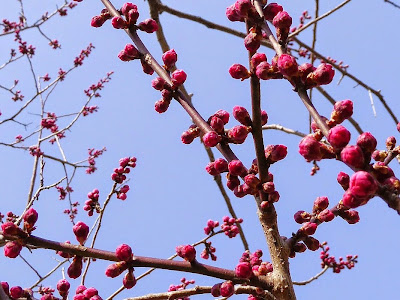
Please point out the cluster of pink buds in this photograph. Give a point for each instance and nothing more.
(224, 289)
(63, 191)
(124, 168)
(180, 287)
(125, 255)
(211, 225)
(63, 288)
(35, 151)
(178, 77)
(187, 252)
(250, 264)
(304, 16)
(13, 248)
(93, 154)
(230, 227)
(331, 262)
(92, 204)
(16, 292)
(209, 251)
(84, 293)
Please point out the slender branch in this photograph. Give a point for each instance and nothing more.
(392, 3)
(284, 129)
(312, 278)
(48, 274)
(318, 18)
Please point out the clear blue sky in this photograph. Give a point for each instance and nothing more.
(171, 195)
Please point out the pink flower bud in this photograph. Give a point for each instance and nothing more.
(351, 216)
(264, 71)
(367, 142)
(216, 290)
(326, 215)
(271, 10)
(236, 168)
(97, 21)
(299, 247)
(132, 16)
(124, 252)
(169, 58)
(243, 7)
(390, 142)
(129, 280)
(339, 136)
(242, 115)
(90, 292)
(211, 169)
(232, 182)
(81, 231)
(12, 249)
(342, 110)
(243, 270)
(148, 25)
(311, 243)
(344, 180)
(118, 23)
(75, 269)
(127, 7)
(258, 58)
(323, 74)
(221, 165)
(223, 115)
(146, 67)
(274, 153)
(161, 106)
(310, 148)
(80, 289)
(287, 65)
(252, 41)
(10, 228)
(398, 127)
(63, 287)
(30, 217)
(227, 289)
(268, 187)
(239, 71)
(350, 201)
(238, 134)
(308, 228)
(363, 185)
(264, 117)
(6, 287)
(116, 269)
(282, 20)
(217, 124)
(16, 292)
(158, 83)
(352, 156)
(131, 51)
(304, 70)
(178, 77)
(302, 216)
(233, 15)
(211, 139)
(320, 204)
(187, 252)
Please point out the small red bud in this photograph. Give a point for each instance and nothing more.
(148, 25)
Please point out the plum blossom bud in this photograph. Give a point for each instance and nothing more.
(116, 269)
(367, 142)
(127, 7)
(216, 290)
(243, 270)
(6, 287)
(339, 136)
(390, 142)
(233, 15)
(81, 231)
(299, 247)
(258, 58)
(344, 180)
(392, 183)
(287, 65)
(268, 187)
(12, 249)
(90, 292)
(326, 215)
(282, 20)
(227, 289)
(264, 117)
(211, 139)
(161, 106)
(217, 124)
(352, 156)
(302, 216)
(242, 115)
(75, 269)
(221, 165)
(148, 25)
(252, 181)
(243, 7)
(308, 228)
(211, 169)
(236, 168)
(146, 67)
(271, 10)
(132, 16)
(124, 252)
(310, 148)
(30, 217)
(274, 153)
(223, 115)
(238, 71)
(178, 77)
(320, 204)
(10, 228)
(311, 243)
(16, 292)
(129, 280)
(187, 252)
(304, 70)
(323, 74)
(348, 200)
(97, 21)
(63, 287)
(342, 110)
(232, 182)
(169, 58)
(118, 23)
(363, 185)
(265, 71)
(238, 134)
(252, 41)
(398, 127)
(351, 216)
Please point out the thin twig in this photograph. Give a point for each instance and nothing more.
(284, 129)
(312, 278)
(49, 273)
